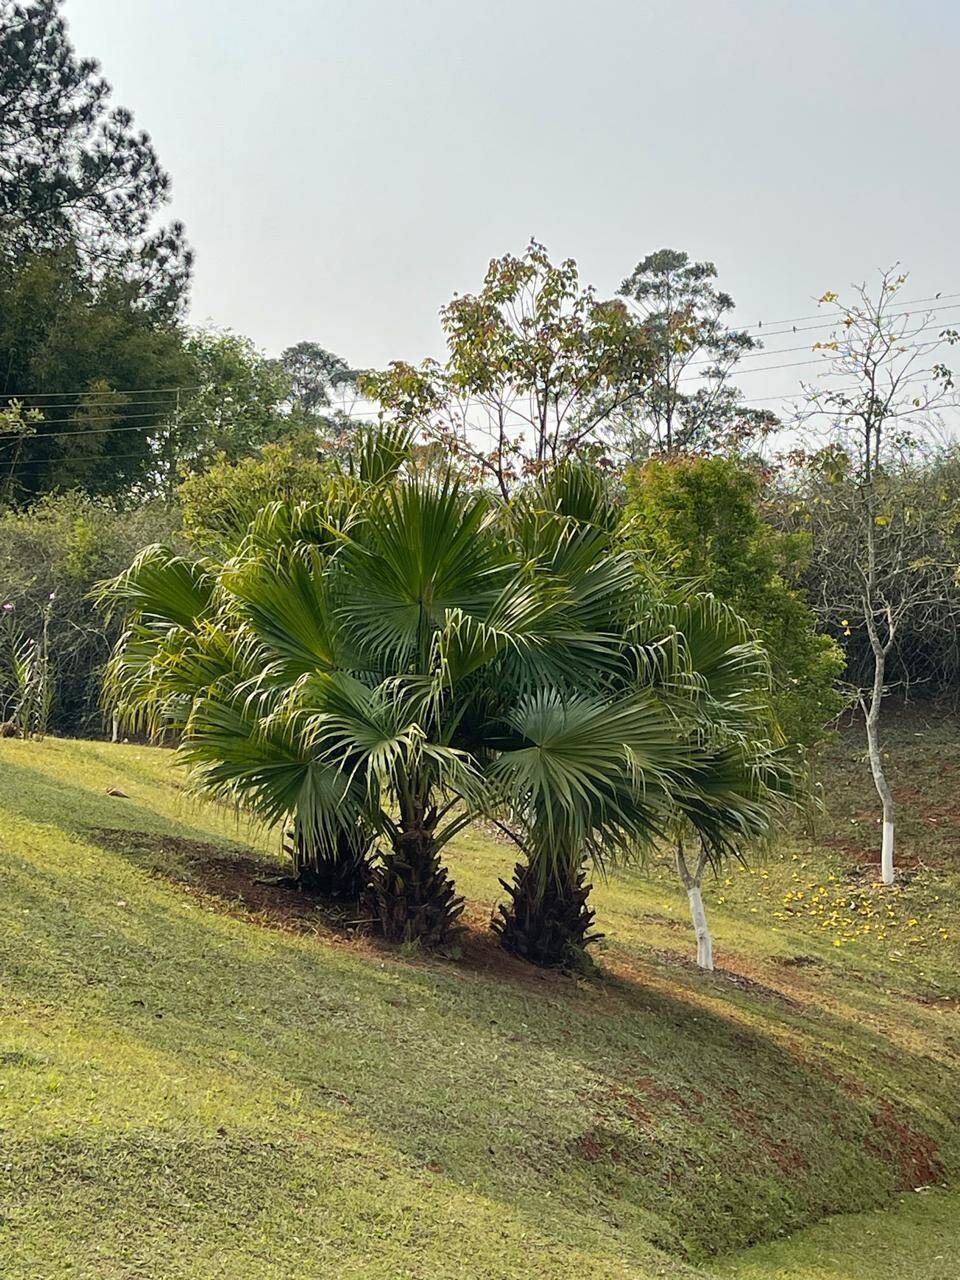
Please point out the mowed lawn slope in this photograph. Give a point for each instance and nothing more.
(205, 1076)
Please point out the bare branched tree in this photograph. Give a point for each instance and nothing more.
(878, 561)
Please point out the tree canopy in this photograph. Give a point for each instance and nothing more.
(74, 170)
(688, 401)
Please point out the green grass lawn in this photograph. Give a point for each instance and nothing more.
(202, 1076)
(915, 1238)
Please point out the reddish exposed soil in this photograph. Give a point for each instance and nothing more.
(912, 1154)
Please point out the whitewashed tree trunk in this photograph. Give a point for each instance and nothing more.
(701, 928)
(874, 751)
(692, 882)
(874, 607)
(886, 852)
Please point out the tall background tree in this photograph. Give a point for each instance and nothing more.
(95, 370)
(233, 404)
(92, 282)
(537, 369)
(319, 379)
(73, 169)
(688, 401)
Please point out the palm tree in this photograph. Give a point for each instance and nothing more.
(586, 757)
(664, 732)
(585, 780)
(191, 663)
(380, 668)
(328, 672)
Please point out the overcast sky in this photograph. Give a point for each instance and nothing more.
(344, 166)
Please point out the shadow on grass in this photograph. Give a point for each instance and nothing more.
(629, 1090)
(31, 793)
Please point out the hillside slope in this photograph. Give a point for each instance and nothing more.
(205, 1076)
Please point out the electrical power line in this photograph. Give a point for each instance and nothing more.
(806, 346)
(907, 302)
(116, 457)
(106, 417)
(164, 403)
(940, 300)
(90, 391)
(370, 415)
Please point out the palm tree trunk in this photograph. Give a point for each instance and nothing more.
(341, 870)
(547, 920)
(411, 897)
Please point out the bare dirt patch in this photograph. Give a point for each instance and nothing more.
(735, 979)
(478, 951)
(256, 890)
(241, 884)
(912, 1154)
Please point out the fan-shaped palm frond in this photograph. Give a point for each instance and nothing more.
(241, 755)
(379, 452)
(284, 600)
(304, 524)
(574, 491)
(159, 587)
(584, 777)
(423, 549)
(732, 797)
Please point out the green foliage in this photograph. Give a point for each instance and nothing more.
(233, 405)
(220, 502)
(338, 1106)
(407, 654)
(702, 519)
(317, 379)
(89, 364)
(536, 368)
(51, 554)
(74, 171)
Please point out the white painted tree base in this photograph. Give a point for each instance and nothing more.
(886, 854)
(701, 928)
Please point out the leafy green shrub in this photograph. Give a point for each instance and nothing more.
(701, 518)
(218, 504)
